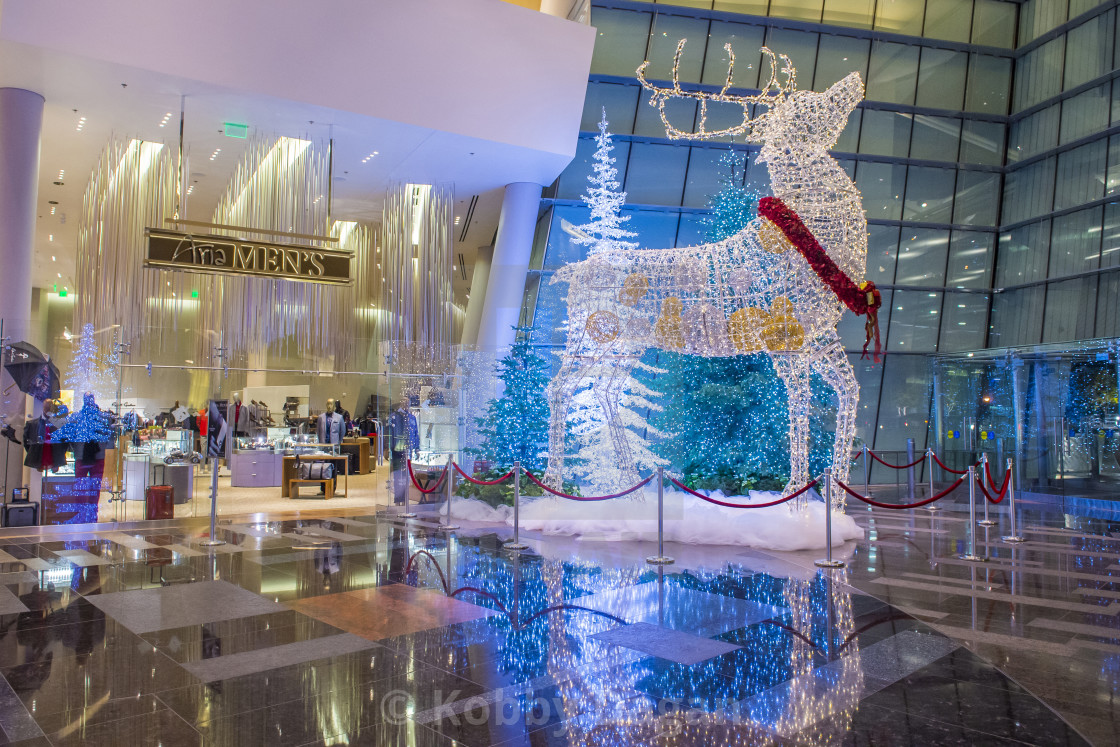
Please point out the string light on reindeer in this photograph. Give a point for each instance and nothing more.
(779, 285)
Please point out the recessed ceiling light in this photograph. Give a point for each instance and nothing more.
(457, 219)
(50, 237)
(54, 258)
(190, 189)
(59, 274)
(53, 208)
(165, 120)
(215, 153)
(61, 173)
(81, 123)
(371, 155)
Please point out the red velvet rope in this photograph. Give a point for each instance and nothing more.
(503, 478)
(863, 299)
(894, 466)
(992, 483)
(931, 499)
(703, 497)
(947, 469)
(628, 491)
(432, 489)
(984, 490)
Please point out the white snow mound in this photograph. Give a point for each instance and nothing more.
(688, 519)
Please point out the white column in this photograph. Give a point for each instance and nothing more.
(506, 286)
(479, 280)
(21, 121)
(21, 124)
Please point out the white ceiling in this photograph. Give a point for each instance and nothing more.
(522, 128)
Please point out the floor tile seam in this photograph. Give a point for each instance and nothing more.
(1074, 628)
(1111, 610)
(995, 563)
(233, 659)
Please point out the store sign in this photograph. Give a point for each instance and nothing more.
(174, 250)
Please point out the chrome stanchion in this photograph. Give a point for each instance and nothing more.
(447, 525)
(971, 555)
(929, 464)
(985, 522)
(1014, 536)
(866, 473)
(516, 545)
(213, 541)
(406, 514)
(828, 562)
(660, 558)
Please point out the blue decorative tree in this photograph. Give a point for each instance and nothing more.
(87, 425)
(730, 415)
(515, 428)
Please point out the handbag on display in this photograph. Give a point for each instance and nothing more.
(311, 471)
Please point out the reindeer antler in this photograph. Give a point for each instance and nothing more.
(772, 91)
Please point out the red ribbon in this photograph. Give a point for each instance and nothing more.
(863, 299)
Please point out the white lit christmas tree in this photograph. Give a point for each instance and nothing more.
(596, 468)
(85, 371)
(605, 231)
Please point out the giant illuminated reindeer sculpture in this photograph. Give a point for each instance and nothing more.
(778, 286)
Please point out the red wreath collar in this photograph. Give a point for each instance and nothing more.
(863, 299)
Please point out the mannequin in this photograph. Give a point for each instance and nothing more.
(330, 425)
(404, 438)
(239, 416)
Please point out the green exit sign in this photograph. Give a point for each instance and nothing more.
(63, 293)
(232, 129)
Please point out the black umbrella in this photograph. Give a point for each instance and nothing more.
(32, 371)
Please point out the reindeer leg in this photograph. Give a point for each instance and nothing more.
(832, 364)
(793, 368)
(560, 392)
(608, 390)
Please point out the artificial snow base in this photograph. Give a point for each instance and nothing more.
(688, 519)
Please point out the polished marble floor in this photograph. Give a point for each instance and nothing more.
(365, 629)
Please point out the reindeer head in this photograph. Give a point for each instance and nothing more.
(792, 118)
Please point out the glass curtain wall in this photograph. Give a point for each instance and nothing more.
(926, 149)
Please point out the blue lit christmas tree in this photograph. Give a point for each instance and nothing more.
(87, 425)
(515, 428)
(730, 415)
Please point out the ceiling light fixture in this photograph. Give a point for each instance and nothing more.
(165, 120)
(81, 123)
(53, 208)
(215, 153)
(61, 173)
(371, 155)
(190, 189)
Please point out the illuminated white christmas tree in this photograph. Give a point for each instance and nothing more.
(605, 231)
(596, 467)
(85, 371)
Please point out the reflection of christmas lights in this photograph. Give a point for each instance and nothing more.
(774, 684)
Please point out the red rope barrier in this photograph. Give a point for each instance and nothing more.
(503, 478)
(931, 499)
(701, 496)
(947, 469)
(983, 490)
(432, 489)
(628, 491)
(895, 466)
(992, 483)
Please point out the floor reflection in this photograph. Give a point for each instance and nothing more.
(367, 630)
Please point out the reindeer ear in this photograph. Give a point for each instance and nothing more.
(842, 97)
(846, 93)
